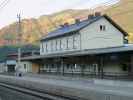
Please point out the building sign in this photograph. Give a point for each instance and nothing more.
(11, 62)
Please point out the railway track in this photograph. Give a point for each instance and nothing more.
(34, 93)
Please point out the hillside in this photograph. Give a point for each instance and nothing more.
(34, 29)
(122, 13)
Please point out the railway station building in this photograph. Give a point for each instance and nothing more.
(95, 47)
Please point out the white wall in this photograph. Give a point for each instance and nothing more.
(62, 44)
(92, 37)
(2, 67)
(26, 67)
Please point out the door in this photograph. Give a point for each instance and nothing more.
(11, 68)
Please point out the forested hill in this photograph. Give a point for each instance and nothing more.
(33, 29)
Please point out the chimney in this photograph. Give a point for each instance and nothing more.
(77, 21)
(66, 24)
(97, 14)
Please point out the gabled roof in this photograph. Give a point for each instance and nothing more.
(78, 26)
(116, 25)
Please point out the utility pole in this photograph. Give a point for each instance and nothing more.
(19, 37)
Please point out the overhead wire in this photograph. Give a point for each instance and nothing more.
(122, 12)
(122, 4)
(4, 4)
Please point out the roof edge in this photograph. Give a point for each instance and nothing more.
(115, 24)
(110, 20)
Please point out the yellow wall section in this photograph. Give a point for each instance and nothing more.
(35, 68)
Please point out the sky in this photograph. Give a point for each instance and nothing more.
(36, 8)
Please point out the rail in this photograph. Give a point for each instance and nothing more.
(35, 93)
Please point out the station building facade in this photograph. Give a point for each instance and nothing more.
(11, 62)
(95, 46)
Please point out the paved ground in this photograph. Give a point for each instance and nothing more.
(123, 89)
(85, 84)
(7, 94)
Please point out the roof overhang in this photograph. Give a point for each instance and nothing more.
(83, 52)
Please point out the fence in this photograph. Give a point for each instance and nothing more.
(90, 74)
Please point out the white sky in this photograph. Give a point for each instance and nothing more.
(35, 8)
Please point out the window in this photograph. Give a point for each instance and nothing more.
(68, 66)
(42, 48)
(114, 57)
(126, 41)
(75, 66)
(60, 44)
(51, 45)
(52, 66)
(56, 44)
(46, 47)
(67, 42)
(124, 67)
(24, 66)
(102, 27)
(46, 66)
(74, 42)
